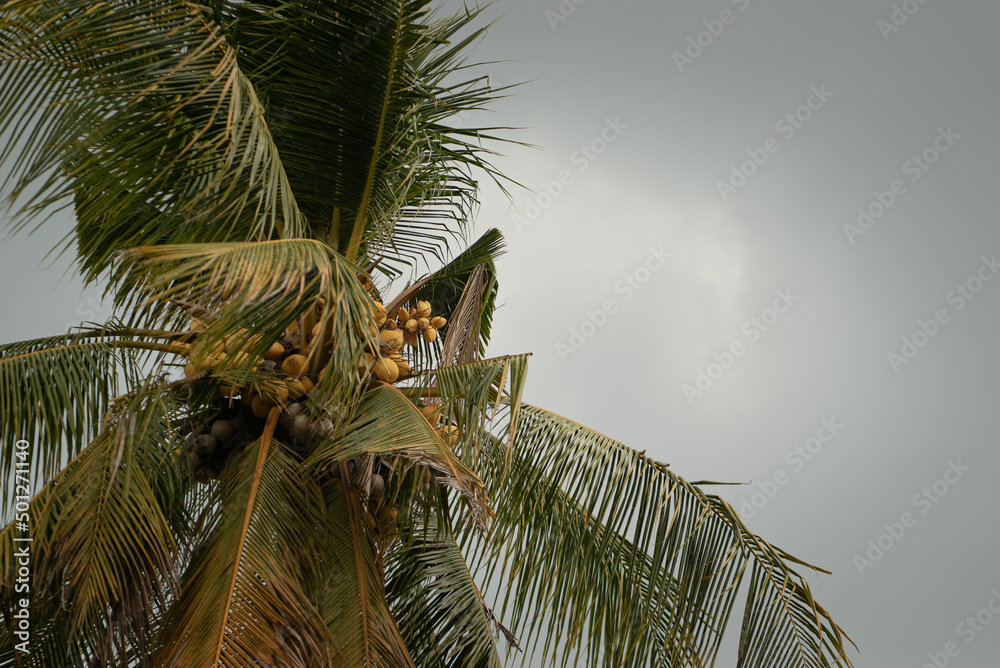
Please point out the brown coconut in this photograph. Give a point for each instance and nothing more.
(261, 406)
(294, 365)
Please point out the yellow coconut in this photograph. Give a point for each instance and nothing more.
(277, 392)
(379, 310)
(438, 322)
(217, 347)
(204, 363)
(386, 370)
(432, 412)
(190, 370)
(294, 365)
(275, 351)
(402, 316)
(393, 337)
(307, 385)
(197, 325)
(413, 312)
(261, 406)
(412, 325)
(430, 334)
(424, 309)
(240, 358)
(237, 338)
(391, 325)
(295, 388)
(410, 338)
(423, 323)
(403, 365)
(364, 366)
(449, 433)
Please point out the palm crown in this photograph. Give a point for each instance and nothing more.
(337, 476)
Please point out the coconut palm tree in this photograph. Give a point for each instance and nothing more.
(289, 448)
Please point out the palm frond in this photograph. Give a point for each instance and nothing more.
(467, 289)
(242, 603)
(53, 394)
(138, 108)
(101, 535)
(358, 102)
(387, 423)
(475, 396)
(588, 521)
(254, 291)
(443, 616)
(351, 589)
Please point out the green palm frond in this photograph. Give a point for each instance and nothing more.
(459, 291)
(467, 288)
(54, 393)
(101, 534)
(436, 205)
(387, 423)
(587, 521)
(138, 105)
(357, 99)
(351, 591)
(242, 603)
(49, 642)
(475, 396)
(443, 616)
(259, 288)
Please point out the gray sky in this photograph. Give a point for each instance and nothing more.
(642, 139)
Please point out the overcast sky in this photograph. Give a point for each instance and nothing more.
(693, 278)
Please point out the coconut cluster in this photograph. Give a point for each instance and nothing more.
(243, 410)
(405, 327)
